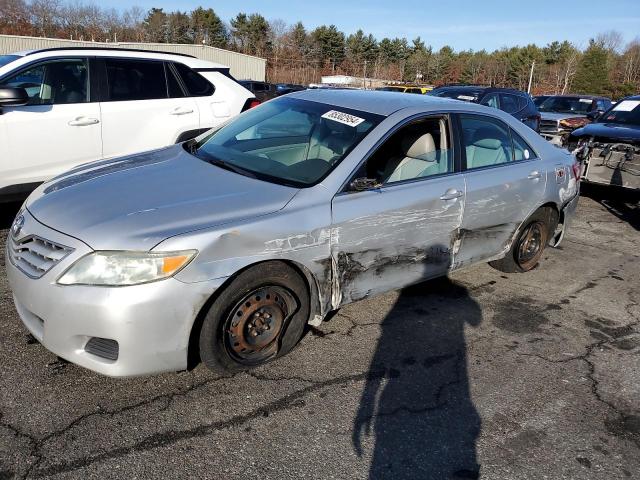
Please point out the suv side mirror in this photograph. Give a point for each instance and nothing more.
(13, 97)
(364, 183)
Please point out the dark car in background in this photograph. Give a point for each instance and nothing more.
(538, 99)
(262, 90)
(284, 88)
(514, 102)
(609, 148)
(561, 114)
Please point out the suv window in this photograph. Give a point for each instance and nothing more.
(54, 82)
(419, 150)
(486, 141)
(509, 103)
(135, 79)
(490, 100)
(173, 84)
(196, 84)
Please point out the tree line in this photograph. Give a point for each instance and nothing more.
(295, 54)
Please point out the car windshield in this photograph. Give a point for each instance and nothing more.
(457, 93)
(626, 112)
(577, 105)
(6, 59)
(288, 141)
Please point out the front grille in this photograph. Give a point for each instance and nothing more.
(35, 256)
(103, 347)
(549, 126)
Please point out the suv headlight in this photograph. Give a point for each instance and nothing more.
(120, 268)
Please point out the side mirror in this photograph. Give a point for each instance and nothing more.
(13, 97)
(363, 183)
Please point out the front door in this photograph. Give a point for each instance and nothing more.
(58, 129)
(401, 230)
(505, 183)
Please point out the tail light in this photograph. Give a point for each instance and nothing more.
(250, 103)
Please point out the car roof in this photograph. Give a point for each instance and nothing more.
(376, 101)
(121, 52)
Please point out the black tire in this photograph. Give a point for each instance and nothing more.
(530, 242)
(258, 317)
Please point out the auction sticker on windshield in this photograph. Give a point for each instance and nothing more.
(344, 118)
(627, 105)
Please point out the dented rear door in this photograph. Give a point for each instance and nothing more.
(394, 236)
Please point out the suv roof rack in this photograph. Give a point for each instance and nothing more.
(108, 48)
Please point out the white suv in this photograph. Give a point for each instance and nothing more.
(61, 107)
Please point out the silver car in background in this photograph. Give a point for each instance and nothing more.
(225, 247)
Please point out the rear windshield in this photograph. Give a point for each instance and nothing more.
(566, 105)
(457, 93)
(626, 112)
(6, 59)
(288, 141)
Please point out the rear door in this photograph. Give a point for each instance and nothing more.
(57, 130)
(143, 106)
(505, 182)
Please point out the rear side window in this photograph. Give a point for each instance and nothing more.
(521, 150)
(196, 84)
(487, 142)
(135, 80)
(509, 103)
(173, 84)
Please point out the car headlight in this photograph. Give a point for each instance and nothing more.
(120, 268)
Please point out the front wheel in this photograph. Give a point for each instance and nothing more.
(258, 317)
(531, 240)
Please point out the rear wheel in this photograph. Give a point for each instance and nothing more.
(531, 240)
(260, 316)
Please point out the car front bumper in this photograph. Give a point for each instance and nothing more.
(151, 323)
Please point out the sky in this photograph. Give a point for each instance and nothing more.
(462, 24)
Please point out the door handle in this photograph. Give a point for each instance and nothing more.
(181, 111)
(83, 121)
(451, 194)
(533, 175)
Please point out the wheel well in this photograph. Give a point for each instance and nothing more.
(193, 352)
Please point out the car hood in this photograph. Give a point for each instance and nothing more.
(135, 202)
(560, 116)
(610, 132)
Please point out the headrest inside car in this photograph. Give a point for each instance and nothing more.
(418, 146)
(485, 138)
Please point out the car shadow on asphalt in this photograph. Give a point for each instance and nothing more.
(416, 401)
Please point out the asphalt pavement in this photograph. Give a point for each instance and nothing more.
(480, 375)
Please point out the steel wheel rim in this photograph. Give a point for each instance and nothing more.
(254, 326)
(530, 245)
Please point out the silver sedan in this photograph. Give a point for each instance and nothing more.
(224, 248)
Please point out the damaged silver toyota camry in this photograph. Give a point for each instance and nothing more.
(225, 247)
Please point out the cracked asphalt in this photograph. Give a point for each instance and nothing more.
(481, 375)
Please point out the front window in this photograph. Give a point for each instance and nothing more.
(7, 59)
(580, 106)
(626, 112)
(288, 141)
(53, 82)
